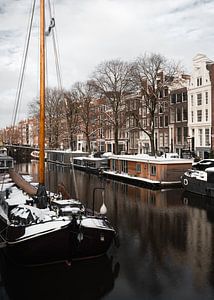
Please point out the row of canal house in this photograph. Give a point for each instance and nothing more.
(183, 120)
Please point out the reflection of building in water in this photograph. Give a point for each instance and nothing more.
(158, 198)
(160, 232)
(199, 244)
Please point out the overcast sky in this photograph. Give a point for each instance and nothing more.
(92, 31)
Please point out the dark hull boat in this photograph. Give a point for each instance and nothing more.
(64, 231)
(199, 182)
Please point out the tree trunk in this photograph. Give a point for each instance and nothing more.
(116, 140)
(152, 142)
(88, 147)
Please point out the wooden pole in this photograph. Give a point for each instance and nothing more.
(42, 96)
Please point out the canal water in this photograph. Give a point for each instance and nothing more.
(166, 247)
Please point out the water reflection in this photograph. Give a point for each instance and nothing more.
(84, 280)
(166, 238)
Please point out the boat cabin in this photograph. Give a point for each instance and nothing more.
(93, 164)
(151, 169)
(6, 163)
(3, 151)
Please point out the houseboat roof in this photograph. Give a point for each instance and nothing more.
(151, 159)
(66, 151)
(95, 158)
(5, 157)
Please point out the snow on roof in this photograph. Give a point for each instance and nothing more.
(151, 159)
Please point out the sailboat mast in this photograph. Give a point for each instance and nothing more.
(42, 95)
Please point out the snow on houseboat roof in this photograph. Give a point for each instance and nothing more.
(152, 159)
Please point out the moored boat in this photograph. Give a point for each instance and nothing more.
(145, 170)
(6, 161)
(199, 182)
(91, 164)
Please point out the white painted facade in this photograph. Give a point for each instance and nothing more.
(199, 106)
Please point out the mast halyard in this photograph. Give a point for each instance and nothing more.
(42, 96)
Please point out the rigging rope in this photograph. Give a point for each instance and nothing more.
(23, 65)
(52, 28)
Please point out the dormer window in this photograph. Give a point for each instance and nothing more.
(199, 81)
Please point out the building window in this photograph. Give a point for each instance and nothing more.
(173, 98)
(166, 122)
(184, 114)
(178, 114)
(179, 97)
(185, 133)
(207, 137)
(179, 135)
(161, 139)
(161, 121)
(138, 168)
(166, 140)
(156, 122)
(192, 116)
(199, 81)
(199, 99)
(161, 109)
(199, 115)
(192, 100)
(184, 96)
(206, 97)
(153, 170)
(206, 115)
(200, 132)
(172, 116)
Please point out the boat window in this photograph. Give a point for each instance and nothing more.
(153, 170)
(113, 164)
(9, 164)
(138, 168)
(124, 166)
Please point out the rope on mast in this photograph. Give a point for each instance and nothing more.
(23, 65)
(58, 74)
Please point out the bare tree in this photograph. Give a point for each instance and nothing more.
(71, 114)
(54, 115)
(83, 92)
(152, 74)
(112, 80)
